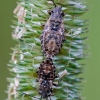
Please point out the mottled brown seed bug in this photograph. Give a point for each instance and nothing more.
(47, 71)
(53, 34)
(46, 76)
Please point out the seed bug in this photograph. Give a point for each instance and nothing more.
(46, 76)
(44, 90)
(53, 34)
(47, 71)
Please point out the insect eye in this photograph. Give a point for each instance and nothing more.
(63, 14)
(50, 12)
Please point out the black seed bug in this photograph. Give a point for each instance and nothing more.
(53, 34)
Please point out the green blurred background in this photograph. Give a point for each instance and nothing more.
(92, 74)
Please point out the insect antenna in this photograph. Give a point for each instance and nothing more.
(54, 3)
